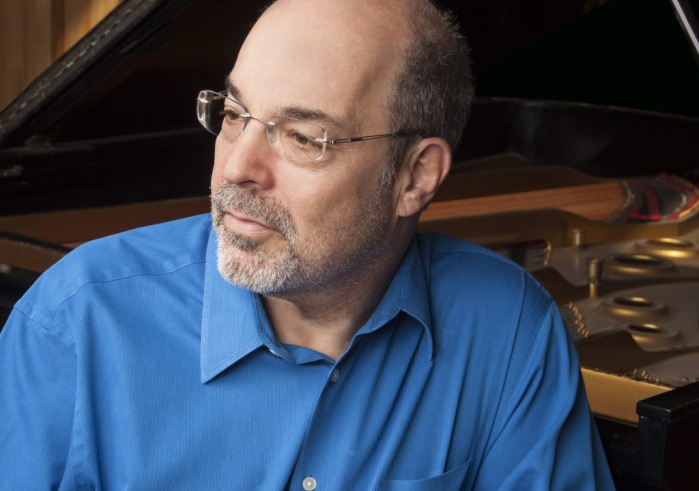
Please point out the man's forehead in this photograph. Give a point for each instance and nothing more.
(317, 61)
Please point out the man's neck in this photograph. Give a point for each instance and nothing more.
(327, 319)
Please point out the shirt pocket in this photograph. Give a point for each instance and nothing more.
(456, 479)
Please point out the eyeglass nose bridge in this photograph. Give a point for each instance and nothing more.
(269, 125)
(269, 128)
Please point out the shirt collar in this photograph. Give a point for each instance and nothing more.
(408, 292)
(234, 322)
(231, 319)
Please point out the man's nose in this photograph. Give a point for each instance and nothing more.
(248, 161)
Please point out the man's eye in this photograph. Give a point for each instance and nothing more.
(231, 114)
(300, 138)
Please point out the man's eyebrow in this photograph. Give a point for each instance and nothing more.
(232, 89)
(309, 115)
(297, 112)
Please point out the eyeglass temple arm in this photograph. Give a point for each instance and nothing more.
(369, 137)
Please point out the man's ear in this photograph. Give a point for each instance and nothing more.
(421, 175)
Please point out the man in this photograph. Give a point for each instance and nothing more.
(303, 337)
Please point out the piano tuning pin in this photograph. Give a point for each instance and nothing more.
(594, 275)
(577, 237)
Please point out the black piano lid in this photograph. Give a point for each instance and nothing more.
(609, 87)
(113, 121)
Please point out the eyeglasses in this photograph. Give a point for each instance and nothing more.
(291, 138)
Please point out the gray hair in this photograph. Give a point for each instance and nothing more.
(432, 90)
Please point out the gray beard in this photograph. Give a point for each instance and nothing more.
(260, 274)
(338, 257)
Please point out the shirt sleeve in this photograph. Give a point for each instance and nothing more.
(37, 400)
(545, 437)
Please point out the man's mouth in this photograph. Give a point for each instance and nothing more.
(241, 224)
(249, 215)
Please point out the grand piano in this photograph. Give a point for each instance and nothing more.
(580, 162)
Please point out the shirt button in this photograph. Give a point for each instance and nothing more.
(309, 484)
(335, 375)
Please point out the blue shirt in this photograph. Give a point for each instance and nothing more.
(132, 364)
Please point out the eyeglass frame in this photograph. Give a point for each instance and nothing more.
(268, 124)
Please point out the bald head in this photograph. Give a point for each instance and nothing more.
(380, 19)
(343, 58)
(403, 59)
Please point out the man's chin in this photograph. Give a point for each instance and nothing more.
(255, 281)
(251, 268)
(232, 241)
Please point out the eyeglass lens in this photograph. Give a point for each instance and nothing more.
(291, 138)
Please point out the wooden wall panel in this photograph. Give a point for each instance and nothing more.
(25, 44)
(34, 33)
(79, 16)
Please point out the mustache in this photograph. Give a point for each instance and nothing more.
(250, 203)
